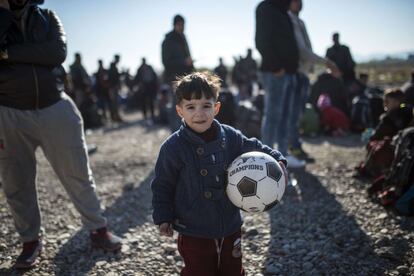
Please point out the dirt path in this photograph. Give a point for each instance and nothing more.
(324, 225)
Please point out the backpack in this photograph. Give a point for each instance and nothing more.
(402, 168)
(361, 115)
(377, 105)
(228, 107)
(395, 184)
(309, 123)
(405, 204)
(378, 160)
(249, 119)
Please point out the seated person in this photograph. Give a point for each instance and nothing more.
(397, 115)
(380, 150)
(333, 120)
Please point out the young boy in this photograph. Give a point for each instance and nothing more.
(190, 180)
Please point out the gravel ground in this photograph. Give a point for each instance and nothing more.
(325, 224)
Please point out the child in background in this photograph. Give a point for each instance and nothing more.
(190, 181)
(380, 150)
(333, 120)
(397, 115)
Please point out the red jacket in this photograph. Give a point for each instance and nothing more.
(334, 118)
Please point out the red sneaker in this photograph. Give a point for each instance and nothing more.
(103, 239)
(30, 253)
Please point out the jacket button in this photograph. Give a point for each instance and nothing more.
(223, 144)
(207, 194)
(203, 172)
(200, 151)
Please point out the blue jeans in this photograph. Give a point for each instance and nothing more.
(278, 109)
(300, 98)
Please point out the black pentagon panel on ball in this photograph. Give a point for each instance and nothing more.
(247, 187)
(273, 171)
(271, 205)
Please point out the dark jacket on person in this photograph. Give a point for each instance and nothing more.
(393, 121)
(342, 57)
(79, 76)
(146, 75)
(175, 51)
(190, 181)
(275, 38)
(27, 79)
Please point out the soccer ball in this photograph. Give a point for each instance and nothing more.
(256, 182)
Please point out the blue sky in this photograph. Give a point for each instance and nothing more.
(136, 28)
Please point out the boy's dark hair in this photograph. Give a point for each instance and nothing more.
(196, 85)
(394, 93)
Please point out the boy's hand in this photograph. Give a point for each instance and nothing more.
(166, 229)
(282, 165)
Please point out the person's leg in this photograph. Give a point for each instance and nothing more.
(144, 102)
(152, 97)
(288, 90)
(63, 143)
(231, 256)
(300, 96)
(274, 110)
(200, 256)
(18, 170)
(113, 92)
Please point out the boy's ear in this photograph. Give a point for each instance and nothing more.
(179, 110)
(217, 106)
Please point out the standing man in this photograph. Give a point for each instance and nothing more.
(221, 71)
(176, 56)
(342, 57)
(275, 40)
(34, 112)
(80, 80)
(102, 90)
(249, 67)
(177, 61)
(147, 81)
(307, 59)
(114, 79)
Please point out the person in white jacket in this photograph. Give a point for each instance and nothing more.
(307, 59)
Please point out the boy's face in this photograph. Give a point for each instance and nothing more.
(198, 114)
(390, 104)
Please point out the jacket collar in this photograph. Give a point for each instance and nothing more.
(193, 138)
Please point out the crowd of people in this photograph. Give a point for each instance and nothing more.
(278, 96)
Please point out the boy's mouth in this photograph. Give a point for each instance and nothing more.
(199, 122)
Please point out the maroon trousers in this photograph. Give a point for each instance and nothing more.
(211, 257)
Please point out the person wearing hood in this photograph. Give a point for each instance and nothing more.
(176, 56)
(35, 112)
(276, 42)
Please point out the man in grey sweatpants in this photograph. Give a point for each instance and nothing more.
(35, 112)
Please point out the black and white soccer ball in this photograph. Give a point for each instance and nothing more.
(256, 182)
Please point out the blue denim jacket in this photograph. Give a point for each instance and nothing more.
(190, 181)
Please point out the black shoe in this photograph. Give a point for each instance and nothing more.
(29, 256)
(103, 239)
